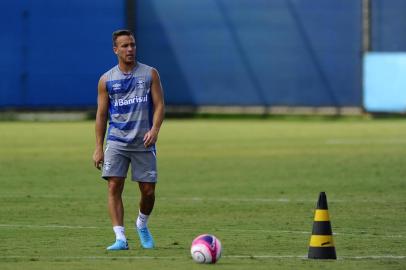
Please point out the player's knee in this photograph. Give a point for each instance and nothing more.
(147, 190)
(115, 187)
(149, 193)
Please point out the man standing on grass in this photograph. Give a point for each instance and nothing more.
(130, 95)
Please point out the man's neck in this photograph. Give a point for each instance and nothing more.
(127, 68)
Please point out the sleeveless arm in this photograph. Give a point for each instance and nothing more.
(159, 109)
(101, 121)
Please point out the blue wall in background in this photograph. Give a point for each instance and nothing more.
(208, 52)
(388, 25)
(11, 52)
(53, 52)
(239, 52)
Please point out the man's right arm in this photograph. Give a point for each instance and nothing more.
(101, 122)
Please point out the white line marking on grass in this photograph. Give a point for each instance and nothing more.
(49, 226)
(211, 199)
(199, 199)
(93, 257)
(358, 234)
(375, 257)
(268, 200)
(247, 200)
(371, 257)
(263, 256)
(364, 142)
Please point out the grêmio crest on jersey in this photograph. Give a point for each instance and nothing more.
(140, 82)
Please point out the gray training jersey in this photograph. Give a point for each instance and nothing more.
(130, 107)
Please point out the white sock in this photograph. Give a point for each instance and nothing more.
(119, 231)
(142, 220)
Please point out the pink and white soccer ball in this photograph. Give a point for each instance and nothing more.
(206, 248)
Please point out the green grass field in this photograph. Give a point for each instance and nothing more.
(252, 183)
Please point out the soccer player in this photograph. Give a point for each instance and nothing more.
(130, 95)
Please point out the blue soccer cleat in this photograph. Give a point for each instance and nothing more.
(118, 245)
(146, 238)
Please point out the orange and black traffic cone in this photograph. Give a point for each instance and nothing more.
(321, 243)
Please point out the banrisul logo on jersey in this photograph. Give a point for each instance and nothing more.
(129, 101)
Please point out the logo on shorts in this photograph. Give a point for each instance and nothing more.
(152, 174)
(107, 166)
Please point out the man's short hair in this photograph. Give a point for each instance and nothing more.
(123, 32)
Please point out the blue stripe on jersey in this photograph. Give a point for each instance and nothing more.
(141, 124)
(118, 139)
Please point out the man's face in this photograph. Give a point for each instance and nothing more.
(125, 49)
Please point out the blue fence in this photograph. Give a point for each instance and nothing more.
(388, 25)
(261, 52)
(53, 52)
(211, 52)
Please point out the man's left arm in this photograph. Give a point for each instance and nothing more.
(151, 136)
